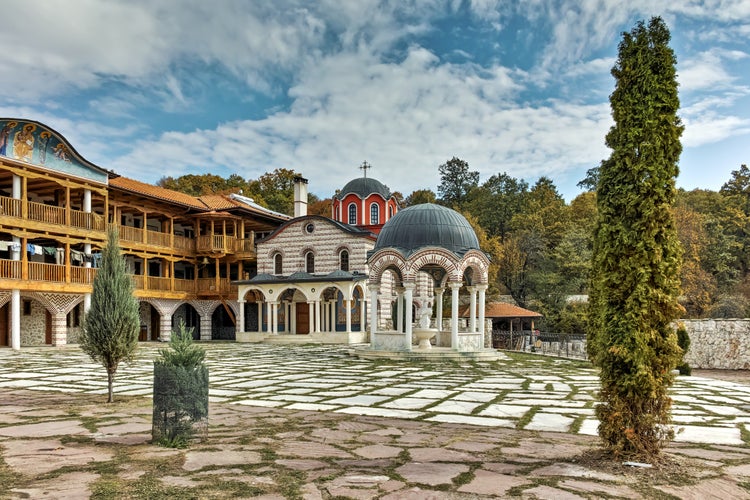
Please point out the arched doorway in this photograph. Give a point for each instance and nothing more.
(222, 326)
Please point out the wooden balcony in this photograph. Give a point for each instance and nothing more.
(156, 238)
(55, 276)
(49, 214)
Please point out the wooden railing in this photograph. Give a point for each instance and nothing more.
(10, 269)
(158, 239)
(159, 284)
(245, 245)
(127, 233)
(137, 281)
(46, 272)
(208, 285)
(82, 275)
(87, 220)
(184, 285)
(185, 244)
(216, 243)
(46, 213)
(10, 206)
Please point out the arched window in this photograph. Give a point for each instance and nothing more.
(352, 213)
(374, 214)
(390, 212)
(344, 260)
(310, 262)
(277, 264)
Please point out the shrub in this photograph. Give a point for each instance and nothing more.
(180, 391)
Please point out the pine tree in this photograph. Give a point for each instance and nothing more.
(636, 262)
(110, 330)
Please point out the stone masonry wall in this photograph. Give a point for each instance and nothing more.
(722, 344)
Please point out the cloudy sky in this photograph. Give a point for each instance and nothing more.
(154, 88)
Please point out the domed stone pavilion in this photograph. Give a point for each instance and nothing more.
(436, 241)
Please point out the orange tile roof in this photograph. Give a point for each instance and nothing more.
(501, 310)
(219, 202)
(152, 191)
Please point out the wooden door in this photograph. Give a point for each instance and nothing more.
(303, 318)
(48, 328)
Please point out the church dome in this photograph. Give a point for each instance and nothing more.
(427, 225)
(364, 187)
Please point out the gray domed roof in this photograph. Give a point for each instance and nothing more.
(427, 225)
(364, 187)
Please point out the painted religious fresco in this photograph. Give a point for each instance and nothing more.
(31, 142)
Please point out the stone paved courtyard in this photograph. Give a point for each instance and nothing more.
(520, 392)
(311, 422)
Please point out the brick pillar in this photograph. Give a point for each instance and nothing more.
(59, 329)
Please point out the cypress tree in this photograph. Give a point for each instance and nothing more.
(636, 261)
(110, 330)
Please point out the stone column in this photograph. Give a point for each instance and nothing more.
(59, 329)
(165, 327)
(15, 296)
(317, 316)
(15, 319)
(482, 326)
(348, 310)
(373, 309)
(268, 317)
(362, 314)
(311, 320)
(400, 309)
(293, 318)
(455, 287)
(274, 318)
(408, 290)
(472, 308)
(241, 319)
(260, 315)
(439, 308)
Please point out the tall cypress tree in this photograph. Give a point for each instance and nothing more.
(636, 261)
(110, 330)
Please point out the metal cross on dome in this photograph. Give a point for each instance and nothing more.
(365, 167)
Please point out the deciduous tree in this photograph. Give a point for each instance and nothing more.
(456, 180)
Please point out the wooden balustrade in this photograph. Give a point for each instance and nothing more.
(82, 275)
(10, 207)
(46, 213)
(10, 269)
(158, 238)
(216, 243)
(87, 220)
(181, 285)
(185, 244)
(159, 283)
(46, 272)
(245, 245)
(127, 233)
(137, 281)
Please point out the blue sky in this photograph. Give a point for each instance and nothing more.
(155, 88)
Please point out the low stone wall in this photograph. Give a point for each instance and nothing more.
(722, 344)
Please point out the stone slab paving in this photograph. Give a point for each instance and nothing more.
(59, 445)
(541, 394)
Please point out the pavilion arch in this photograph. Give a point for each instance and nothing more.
(387, 259)
(479, 263)
(436, 258)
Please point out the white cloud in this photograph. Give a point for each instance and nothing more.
(706, 70)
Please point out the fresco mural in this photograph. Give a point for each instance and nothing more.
(33, 143)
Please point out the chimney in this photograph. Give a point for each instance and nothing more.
(300, 196)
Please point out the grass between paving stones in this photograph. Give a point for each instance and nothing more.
(745, 434)
(8, 478)
(524, 421)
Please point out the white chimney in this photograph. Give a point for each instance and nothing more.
(300, 196)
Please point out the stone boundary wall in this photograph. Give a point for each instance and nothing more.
(722, 344)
